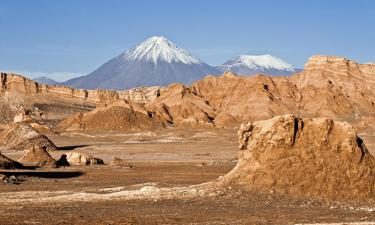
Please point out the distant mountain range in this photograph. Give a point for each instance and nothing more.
(159, 62)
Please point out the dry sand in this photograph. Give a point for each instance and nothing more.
(159, 189)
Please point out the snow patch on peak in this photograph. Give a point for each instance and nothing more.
(159, 48)
(259, 62)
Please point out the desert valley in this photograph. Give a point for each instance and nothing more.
(189, 112)
(226, 149)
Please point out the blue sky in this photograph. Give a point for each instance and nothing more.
(71, 37)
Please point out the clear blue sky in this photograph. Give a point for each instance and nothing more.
(77, 36)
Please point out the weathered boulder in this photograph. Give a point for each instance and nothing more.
(313, 158)
(79, 159)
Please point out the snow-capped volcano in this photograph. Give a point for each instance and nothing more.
(253, 64)
(156, 61)
(157, 49)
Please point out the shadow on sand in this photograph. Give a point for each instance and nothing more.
(44, 174)
(70, 148)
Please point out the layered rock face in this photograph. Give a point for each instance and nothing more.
(21, 136)
(313, 158)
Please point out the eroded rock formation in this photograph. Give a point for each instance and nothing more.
(38, 156)
(313, 158)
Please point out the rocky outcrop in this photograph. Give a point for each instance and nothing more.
(21, 136)
(313, 158)
(119, 115)
(38, 156)
(118, 162)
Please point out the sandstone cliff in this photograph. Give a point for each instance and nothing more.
(59, 102)
(16, 83)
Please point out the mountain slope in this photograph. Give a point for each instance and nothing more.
(154, 62)
(254, 64)
(45, 80)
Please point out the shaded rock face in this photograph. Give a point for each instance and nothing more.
(80, 159)
(38, 156)
(6, 163)
(117, 116)
(313, 158)
(21, 136)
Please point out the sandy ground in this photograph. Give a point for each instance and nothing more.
(160, 188)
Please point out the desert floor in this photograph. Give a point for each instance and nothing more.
(170, 158)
